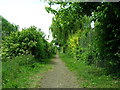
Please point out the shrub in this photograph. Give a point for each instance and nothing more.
(28, 41)
(13, 67)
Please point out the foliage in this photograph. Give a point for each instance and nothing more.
(23, 53)
(67, 20)
(28, 41)
(108, 30)
(17, 72)
(71, 29)
(7, 27)
(89, 76)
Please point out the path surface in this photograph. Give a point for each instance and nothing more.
(59, 76)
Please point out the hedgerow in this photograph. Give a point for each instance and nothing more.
(27, 41)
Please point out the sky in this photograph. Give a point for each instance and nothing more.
(27, 13)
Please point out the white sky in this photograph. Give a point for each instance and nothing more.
(26, 13)
(92, 24)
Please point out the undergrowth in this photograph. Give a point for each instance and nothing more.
(90, 76)
(17, 72)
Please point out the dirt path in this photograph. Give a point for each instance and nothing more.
(59, 76)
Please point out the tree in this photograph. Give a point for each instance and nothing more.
(7, 27)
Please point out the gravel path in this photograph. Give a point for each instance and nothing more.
(59, 76)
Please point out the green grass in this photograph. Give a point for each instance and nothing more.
(22, 72)
(89, 76)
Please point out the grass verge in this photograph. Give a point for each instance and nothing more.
(89, 76)
(22, 71)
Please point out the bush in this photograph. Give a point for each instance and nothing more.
(13, 67)
(17, 72)
(28, 41)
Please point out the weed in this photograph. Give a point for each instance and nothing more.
(89, 76)
(16, 72)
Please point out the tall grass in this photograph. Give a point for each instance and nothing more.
(90, 76)
(16, 72)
